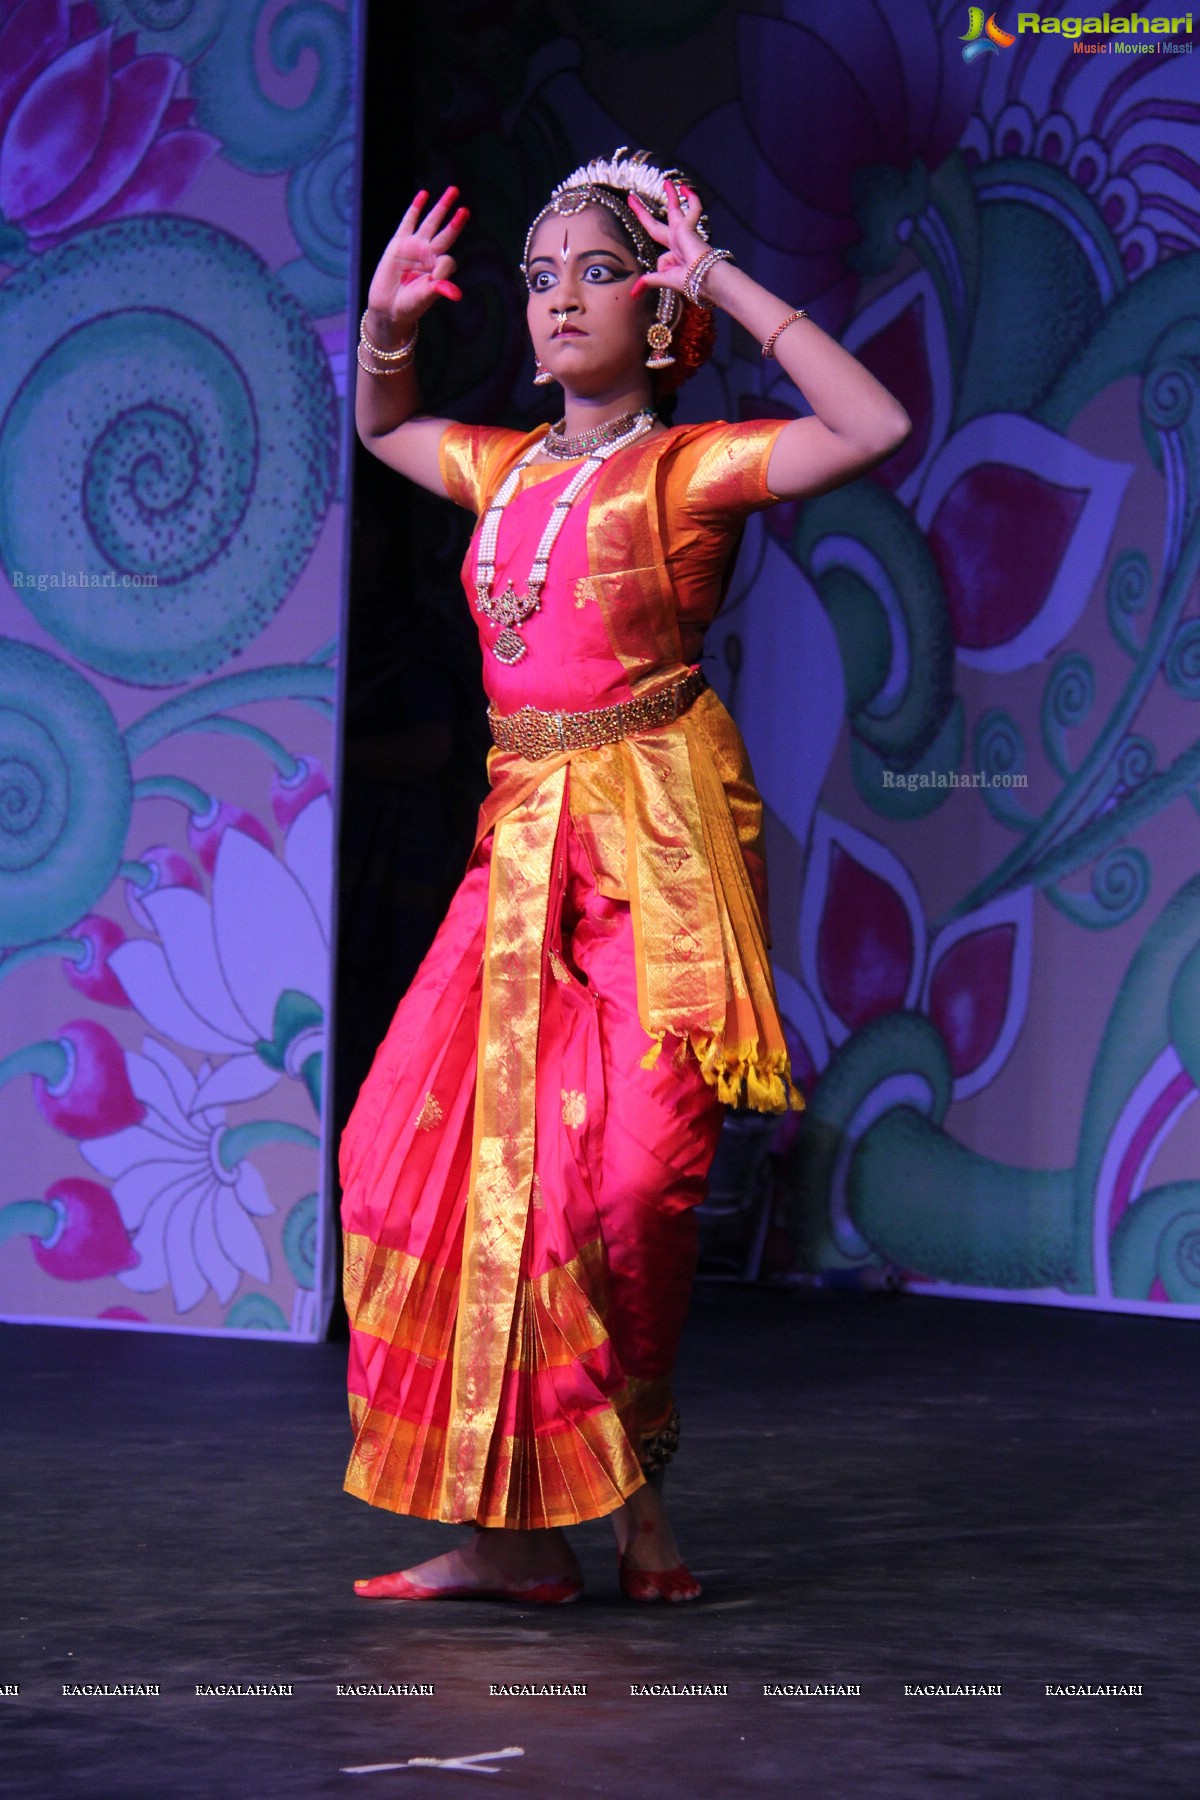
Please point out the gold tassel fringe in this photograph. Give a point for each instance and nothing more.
(746, 1078)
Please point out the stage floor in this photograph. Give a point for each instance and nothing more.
(879, 1494)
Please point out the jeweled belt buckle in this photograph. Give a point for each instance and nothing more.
(529, 740)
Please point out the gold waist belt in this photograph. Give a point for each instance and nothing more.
(535, 734)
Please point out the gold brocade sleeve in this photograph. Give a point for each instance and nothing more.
(471, 459)
(719, 473)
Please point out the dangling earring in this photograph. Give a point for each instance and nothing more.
(541, 376)
(660, 333)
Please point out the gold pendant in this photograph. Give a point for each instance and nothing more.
(509, 647)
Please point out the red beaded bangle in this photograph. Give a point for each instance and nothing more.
(768, 348)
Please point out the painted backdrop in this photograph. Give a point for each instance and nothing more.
(176, 188)
(969, 682)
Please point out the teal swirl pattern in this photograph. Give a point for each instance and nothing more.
(999, 757)
(1159, 1237)
(182, 28)
(1130, 584)
(65, 795)
(1066, 704)
(300, 1241)
(1179, 1259)
(256, 1312)
(257, 132)
(1182, 667)
(169, 455)
(1120, 884)
(320, 201)
(320, 204)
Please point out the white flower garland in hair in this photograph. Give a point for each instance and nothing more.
(629, 172)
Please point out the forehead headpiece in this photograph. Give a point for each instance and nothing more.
(603, 182)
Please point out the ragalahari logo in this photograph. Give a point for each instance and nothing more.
(985, 37)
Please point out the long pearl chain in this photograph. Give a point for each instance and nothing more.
(510, 609)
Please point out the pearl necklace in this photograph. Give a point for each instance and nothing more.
(510, 609)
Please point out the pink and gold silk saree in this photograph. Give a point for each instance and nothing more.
(521, 1169)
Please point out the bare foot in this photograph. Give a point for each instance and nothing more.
(537, 1566)
(645, 1539)
(651, 1567)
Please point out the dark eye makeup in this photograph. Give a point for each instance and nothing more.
(542, 279)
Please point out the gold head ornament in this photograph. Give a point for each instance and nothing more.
(604, 182)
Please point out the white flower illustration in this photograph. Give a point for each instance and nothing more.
(191, 1219)
(242, 976)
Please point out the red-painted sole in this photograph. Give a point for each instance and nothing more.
(647, 1585)
(542, 1593)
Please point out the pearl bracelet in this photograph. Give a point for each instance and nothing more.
(370, 368)
(693, 281)
(401, 354)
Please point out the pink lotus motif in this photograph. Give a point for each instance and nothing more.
(93, 1096)
(89, 130)
(168, 869)
(92, 976)
(206, 830)
(867, 951)
(91, 1240)
(291, 794)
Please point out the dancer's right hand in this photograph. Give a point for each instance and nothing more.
(415, 268)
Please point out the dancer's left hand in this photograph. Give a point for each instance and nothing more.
(677, 234)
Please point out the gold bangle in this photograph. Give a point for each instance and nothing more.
(768, 348)
(399, 354)
(370, 368)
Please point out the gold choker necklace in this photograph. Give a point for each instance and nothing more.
(556, 443)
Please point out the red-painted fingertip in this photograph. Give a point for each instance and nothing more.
(448, 289)
(639, 287)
